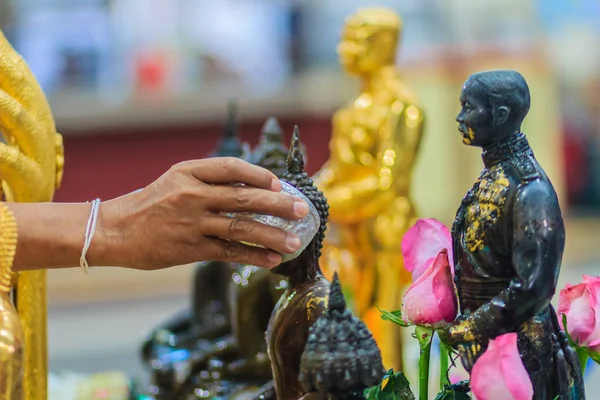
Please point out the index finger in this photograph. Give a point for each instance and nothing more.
(227, 170)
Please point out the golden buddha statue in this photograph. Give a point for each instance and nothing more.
(367, 177)
(31, 164)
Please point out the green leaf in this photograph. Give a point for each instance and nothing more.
(450, 393)
(593, 355)
(394, 316)
(395, 387)
(372, 393)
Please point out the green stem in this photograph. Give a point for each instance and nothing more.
(583, 356)
(443, 366)
(424, 371)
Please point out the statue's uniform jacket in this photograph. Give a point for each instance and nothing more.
(508, 240)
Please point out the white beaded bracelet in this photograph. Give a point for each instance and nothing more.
(90, 229)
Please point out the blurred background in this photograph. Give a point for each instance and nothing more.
(138, 85)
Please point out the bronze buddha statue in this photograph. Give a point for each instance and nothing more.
(508, 240)
(305, 297)
(271, 153)
(341, 358)
(208, 317)
(217, 345)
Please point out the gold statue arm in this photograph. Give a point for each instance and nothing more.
(11, 341)
(367, 196)
(32, 157)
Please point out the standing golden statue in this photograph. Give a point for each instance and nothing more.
(367, 178)
(11, 339)
(31, 164)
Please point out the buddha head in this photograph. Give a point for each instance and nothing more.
(494, 104)
(369, 40)
(230, 145)
(307, 264)
(270, 153)
(341, 356)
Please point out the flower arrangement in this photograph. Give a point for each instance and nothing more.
(431, 303)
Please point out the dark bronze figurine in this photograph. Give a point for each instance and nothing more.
(508, 239)
(230, 144)
(271, 153)
(208, 317)
(305, 298)
(341, 358)
(217, 346)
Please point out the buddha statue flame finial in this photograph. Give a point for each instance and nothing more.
(271, 131)
(230, 145)
(336, 297)
(295, 160)
(270, 152)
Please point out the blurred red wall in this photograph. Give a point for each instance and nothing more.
(107, 164)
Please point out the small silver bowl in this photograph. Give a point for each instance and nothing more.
(305, 229)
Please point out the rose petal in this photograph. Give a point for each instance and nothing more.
(422, 242)
(431, 299)
(499, 374)
(576, 303)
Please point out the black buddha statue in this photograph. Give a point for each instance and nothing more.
(271, 153)
(208, 318)
(305, 298)
(252, 291)
(220, 348)
(341, 358)
(508, 239)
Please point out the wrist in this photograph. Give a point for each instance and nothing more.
(107, 248)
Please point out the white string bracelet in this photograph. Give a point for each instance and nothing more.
(90, 229)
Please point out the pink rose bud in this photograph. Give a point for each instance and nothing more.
(499, 374)
(431, 299)
(422, 243)
(580, 304)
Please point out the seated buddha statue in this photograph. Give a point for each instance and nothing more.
(238, 361)
(208, 316)
(305, 298)
(219, 341)
(341, 358)
(367, 179)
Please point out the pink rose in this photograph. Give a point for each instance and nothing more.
(422, 243)
(499, 374)
(431, 299)
(580, 304)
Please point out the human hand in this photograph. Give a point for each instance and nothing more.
(176, 219)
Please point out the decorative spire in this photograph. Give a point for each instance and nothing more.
(271, 131)
(336, 297)
(230, 145)
(231, 127)
(295, 159)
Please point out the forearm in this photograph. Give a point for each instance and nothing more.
(51, 235)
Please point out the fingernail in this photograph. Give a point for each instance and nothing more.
(276, 185)
(274, 259)
(300, 207)
(292, 242)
